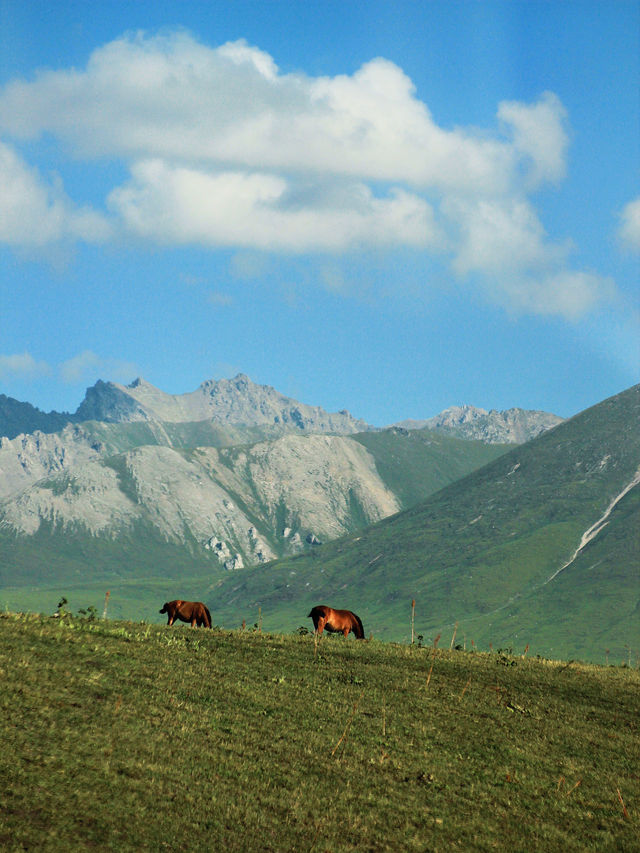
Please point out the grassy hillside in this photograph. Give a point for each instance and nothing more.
(481, 552)
(54, 558)
(126, 736)
(417, 463)
(496, 553)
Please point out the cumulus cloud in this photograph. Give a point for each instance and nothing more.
(174, 98)
(23, 365)
(180, 205)
(34, 214)
(225, 150)
(630, 225)
(504, 241)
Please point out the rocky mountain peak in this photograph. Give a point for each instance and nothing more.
(229, 402)
(512, 426)
(109, 402)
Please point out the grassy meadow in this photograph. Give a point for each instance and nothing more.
(134, 736)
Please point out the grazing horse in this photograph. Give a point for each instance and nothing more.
(187, 611)
(336, 621)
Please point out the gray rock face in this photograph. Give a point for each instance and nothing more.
(232, 501)
(28, 458)
(109, 402)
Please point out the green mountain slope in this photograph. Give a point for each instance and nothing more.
(487, 552)
(415, 464)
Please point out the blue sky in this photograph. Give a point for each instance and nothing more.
(390, 207)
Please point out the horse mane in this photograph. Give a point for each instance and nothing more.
(318, 610)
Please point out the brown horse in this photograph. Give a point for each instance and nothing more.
(336, 621)
(187, 611)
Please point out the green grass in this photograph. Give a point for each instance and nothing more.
(417, 463)
(129, 598)
(129, 736)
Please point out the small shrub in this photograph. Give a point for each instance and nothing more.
(62, 611)
(90, 614)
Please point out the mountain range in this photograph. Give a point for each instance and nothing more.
(257, 477)
(242, 404)
(233, 468)
(147, 493)
(236, 402)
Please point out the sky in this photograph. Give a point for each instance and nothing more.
(388, 207)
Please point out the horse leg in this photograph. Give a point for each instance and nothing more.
(320, 626)
(345, 632)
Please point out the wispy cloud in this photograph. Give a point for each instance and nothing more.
(22, 365)
(34, 214)
(87, 366)
(220, 300)
(224, 150)
(629, 230)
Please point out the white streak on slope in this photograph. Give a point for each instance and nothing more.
(593, 531)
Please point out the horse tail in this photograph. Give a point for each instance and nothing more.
(359, 632)
(206, 610)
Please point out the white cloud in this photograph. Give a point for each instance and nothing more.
(225, 150)
(540, 135)
(504, 241)
(88, 367)
(33, 214)
(23, 365)
(630, 225)
(174, 98)
(567, 293)
(500, 236)
(179, 205)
